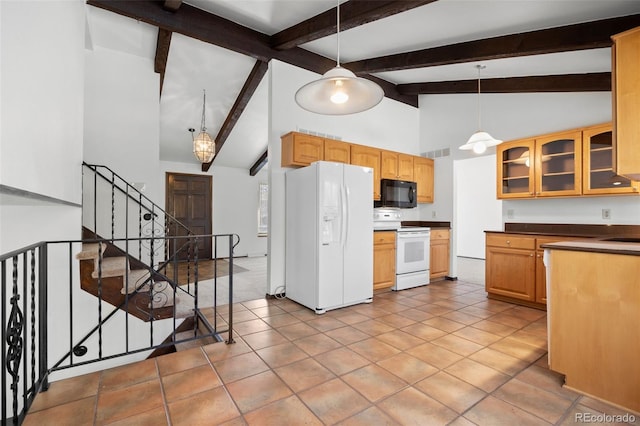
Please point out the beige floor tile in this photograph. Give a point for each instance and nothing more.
(264, 339)
(127, 401)
(495, 412)
(423, 331)
(316, 344)
(154, 417)
(256, 391)
(278, 321)
(407, 367)
(267, 311)
(433, 310)
(239, 367)
(462, 317)
(505, 318)
(518, 349)
(477, 311)
(479, 375)
(373, 327)
(287, 411)
(68, 390)
(416, 314)
(81, 411)
(529, 314)
(494, 328)
(543, 378)
(450, 391)
(373, 349)
(396, 320)
(538, 402)
(180, 361)
(279, 355)
(251, 326)
(241, 316)
(370, 416)
(478, 336)
(461, 421)
(201, 408)
(324, 323)
(188, 382)
(435, 355)
(413, 407)
(499, 361)
(537, 340)
(130, 374)
(297, 331)
(450, 304)
(333, 401)
(399, 339)
(341, 360)
(304, 374)
(348, 335)
(457, 344)
(444, 324)
(374, 382)
(219, 351)
(349, 317)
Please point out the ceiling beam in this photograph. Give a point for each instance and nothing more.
(196, 23)
(260, 163)
(589, 35)
(250, 86)
(594, 82)
(162, 54)
(352, 14)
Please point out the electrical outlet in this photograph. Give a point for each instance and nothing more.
(510, 213)
(606, 213)
(433, 214)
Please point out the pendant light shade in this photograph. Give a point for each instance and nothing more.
(339, 91)
(204, 147)
(480, 140)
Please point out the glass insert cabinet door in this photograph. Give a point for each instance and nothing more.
(599, 176)
(559, 164)
(515, 169)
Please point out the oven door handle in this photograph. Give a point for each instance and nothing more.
(412, 235)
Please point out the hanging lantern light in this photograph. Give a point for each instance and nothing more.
(204, 147)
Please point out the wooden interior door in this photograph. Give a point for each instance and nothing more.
(188, 199)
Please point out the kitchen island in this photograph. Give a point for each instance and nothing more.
(593, 317)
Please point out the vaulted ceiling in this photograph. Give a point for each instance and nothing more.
(410, 48)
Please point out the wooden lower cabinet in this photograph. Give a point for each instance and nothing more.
(511, 267)
(515, 269)
(439, 254)
(384, 259)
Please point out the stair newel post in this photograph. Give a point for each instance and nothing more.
(100, 300)
(215, 282)
(33, 307)
(230, 340)
(95, 202)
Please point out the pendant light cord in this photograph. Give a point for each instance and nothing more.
(338, 32)
(204, 102)
(479, 67)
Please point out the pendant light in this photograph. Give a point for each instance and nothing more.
(480, 141)
(204, 148)
(339, 91)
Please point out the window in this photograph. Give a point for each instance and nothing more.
(263, 209)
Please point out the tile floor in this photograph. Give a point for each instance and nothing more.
(438, 354)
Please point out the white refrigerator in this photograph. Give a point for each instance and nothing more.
(329, 235)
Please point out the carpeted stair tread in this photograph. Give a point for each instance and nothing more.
(111, 267)
(90, 251)
(136, 278)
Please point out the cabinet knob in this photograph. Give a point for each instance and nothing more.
(508, 242)
(531, 255)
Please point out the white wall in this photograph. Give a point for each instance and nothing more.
(42, 75)
(390, 125)
(122, 117)
(235, 204)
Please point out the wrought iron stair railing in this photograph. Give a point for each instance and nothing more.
(51, 327)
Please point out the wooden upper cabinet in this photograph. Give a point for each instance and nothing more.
(558, 168)
(423, 175)
(626, 103)
(368, 157)
(339, 152)
(396, 166)
(598, 176)
(515, 164)
(300, 149)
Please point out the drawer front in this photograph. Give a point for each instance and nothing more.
(439, 234)
(384, 237)
(511, 241)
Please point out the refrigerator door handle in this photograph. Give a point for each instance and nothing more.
(346, 218)
(343, 205)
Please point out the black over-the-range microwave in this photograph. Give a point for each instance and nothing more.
(397, 193)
